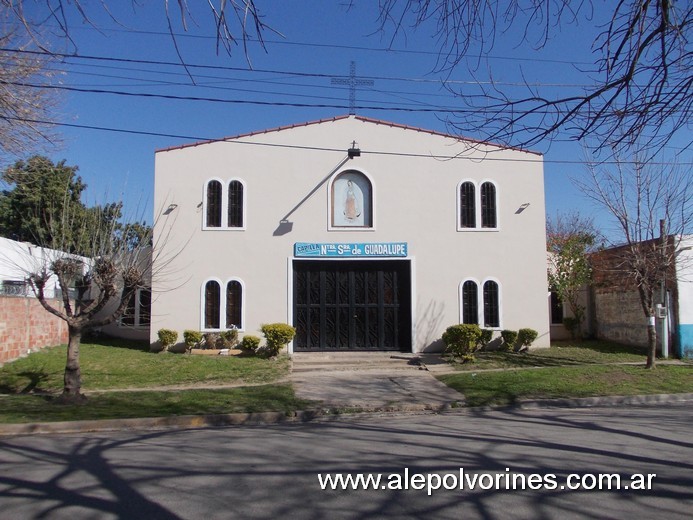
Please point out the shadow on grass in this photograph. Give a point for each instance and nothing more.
(35, 378)
(603, 347)
(130, 344)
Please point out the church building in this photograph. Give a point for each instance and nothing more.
(363, 234)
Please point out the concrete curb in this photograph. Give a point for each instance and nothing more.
(610, 400)
(326, 412)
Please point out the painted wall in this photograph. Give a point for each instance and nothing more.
(684, 278)
(415, 200)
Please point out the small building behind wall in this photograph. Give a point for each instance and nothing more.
(618, 313)
(363, 234)
(25, 326)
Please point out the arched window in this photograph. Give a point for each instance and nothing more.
(467, 205)
(488, 205)
(470, 302)
(235, 205)
(234, 304)
(212, 304)
(491, 304)
(351, 200)
(213, 204)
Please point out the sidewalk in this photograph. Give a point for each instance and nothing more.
(372, 382)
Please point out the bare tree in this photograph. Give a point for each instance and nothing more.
(21, 105)
(653, 210)
(236, 22)
(641, 76)
(94, 290)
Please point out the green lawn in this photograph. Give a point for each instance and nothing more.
(31, 384)
(118, 405)
(504, 387)
(117, 364)
(559, 354)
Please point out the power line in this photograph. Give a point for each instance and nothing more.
(472, 110)
(232, 140)
(386, 50)
(272, 71)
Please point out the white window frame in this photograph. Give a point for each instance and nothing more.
(222, 304)
(225, 205)
(477, 206)
(137, 324)
(500, 303)
(479, 319)
(480, 301)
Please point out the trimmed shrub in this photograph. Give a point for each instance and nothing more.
(461, 340)
(277, 335)
(485, 338)
(229, 338)
(192, 338)
(250, 343)
(509, 339)
(167, 338)
(526, 337)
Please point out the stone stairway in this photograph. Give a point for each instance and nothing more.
(355, 361)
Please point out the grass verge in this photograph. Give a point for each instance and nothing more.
(29, 408)
(117, 364)
(564, 353)
(482, 388)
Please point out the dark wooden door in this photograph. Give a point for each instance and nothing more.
(352, 305)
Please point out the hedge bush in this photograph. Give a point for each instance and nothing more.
(167, 338)
(509, 339)
(192, 338)
(461, 340)
(485, 338)
(526, 337)
(277, 335)
(250, 343)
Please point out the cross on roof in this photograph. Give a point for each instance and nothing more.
(352, 81)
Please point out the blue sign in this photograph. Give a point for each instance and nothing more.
(370, 250)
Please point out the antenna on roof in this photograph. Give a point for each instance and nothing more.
(352, 81)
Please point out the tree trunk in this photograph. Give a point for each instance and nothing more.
(73, 377)
(651, 344)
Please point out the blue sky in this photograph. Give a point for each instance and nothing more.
(318, 41)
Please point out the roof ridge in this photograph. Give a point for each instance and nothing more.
(339, 118)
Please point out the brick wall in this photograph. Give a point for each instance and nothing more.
(25, 326)
(619, 317)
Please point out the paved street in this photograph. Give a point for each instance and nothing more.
(272, 471)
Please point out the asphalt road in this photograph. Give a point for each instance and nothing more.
(272, 471)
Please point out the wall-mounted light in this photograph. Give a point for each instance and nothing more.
(170, 208)
(522, 207)
(354, 151)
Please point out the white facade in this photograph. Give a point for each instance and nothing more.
(18, 260)
(439, 211)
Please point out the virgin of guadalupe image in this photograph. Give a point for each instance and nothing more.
(351, 206)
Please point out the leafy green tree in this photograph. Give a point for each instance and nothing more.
(569, 239)
(35, 208)
(43, 205)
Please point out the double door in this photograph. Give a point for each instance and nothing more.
(352, 305)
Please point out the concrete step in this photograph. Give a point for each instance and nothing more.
(343, 361)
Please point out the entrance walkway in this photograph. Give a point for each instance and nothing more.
(371, 381)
